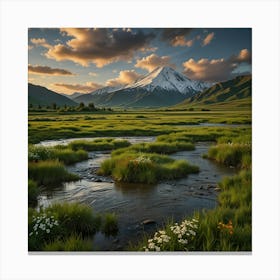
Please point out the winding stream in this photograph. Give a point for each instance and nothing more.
(135, 203)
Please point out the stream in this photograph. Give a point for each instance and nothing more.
(137, 203)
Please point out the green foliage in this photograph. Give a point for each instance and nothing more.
(145, 168)
(49, 172)
(33, 192)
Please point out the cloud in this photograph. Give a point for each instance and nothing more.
(170, 34)
(46, 70)
(125, 77)
(216, 69)
(40, 42)
(182, 42)
(83, 88)
(152, 61)
(99, 46)
(209, 37)
(93, 74)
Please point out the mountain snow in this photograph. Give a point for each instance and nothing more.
(167, 79)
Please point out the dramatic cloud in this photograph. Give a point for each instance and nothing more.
(125, 77)
(171, 35)
(99, 46)
(46, 70)
(40, 42)
(83, 88)
(208, 39)
(152, 61)
(216, 69)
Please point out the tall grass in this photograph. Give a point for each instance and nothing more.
(145, 168)
(233, 151)
(49, 172)
(67, 222)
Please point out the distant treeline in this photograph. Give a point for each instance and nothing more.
(66, 108)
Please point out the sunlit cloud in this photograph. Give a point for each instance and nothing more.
(82, 88)
(46, 70)
(215, 69)
(40, 42)
(152, 61)
(173, 35)
(182, 42)
(99, 46)
(125, 77)
(206, 41)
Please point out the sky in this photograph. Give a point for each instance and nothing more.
(68, 60)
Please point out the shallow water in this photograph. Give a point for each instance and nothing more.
(134, 203)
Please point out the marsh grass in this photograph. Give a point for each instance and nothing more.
(59, 152)
(233, 150)
(49, 172)
(145, 168)
(75, 217)
(103, 144)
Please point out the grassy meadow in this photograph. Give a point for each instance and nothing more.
(70, 227)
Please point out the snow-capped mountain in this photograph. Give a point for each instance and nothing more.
(166, 78)
(104, 90)
(162, 87)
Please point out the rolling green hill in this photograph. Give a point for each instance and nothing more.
(38, 95)
(237, 92)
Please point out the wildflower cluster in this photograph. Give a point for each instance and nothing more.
(227, 228)
(185, 231)
(156, 243)
(43, 224)
(181, 234)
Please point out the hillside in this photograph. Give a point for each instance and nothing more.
(38, 95)
(237, 91)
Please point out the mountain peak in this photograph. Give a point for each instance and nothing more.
(165, 78)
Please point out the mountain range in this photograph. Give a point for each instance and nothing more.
(160, 88)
